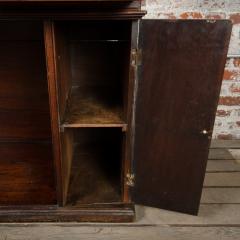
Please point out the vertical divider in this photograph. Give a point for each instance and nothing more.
(53, 101)
(129, 137)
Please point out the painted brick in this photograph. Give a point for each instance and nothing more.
(233, 63)
(223, 113)
(215, 15)
(229, 101)
(231, 74)
(235, 88)
(212, 5)
(235, 17)
(235, 40)
(191, 15)
(236, 62)
(233, 5)
(225, 136)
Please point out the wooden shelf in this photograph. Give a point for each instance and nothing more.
(88, 109)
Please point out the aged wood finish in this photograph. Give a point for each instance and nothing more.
(179, 85)
(26, 164)
(130, 103)
(53, 100)
(96, 168)
(26, 174)
(101, 213)
(92, 68)
(86, 109)
(74, 10)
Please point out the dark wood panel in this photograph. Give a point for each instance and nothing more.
(24, 107)
(23, 83)
(26, 174)
(26, 166)
(180, 80)
(24, 124)
(97, 30)
(98, 64)
(96, 213)
(20, 30)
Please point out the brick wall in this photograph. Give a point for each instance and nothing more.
(227, 124)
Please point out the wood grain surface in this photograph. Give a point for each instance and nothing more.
(179, 85)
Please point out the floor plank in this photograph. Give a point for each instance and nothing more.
(235, 153)
(120, 233)
(223, 166)
(225, 144)
(220, 154)
(209, 215)
(220, 195)
(222, 179)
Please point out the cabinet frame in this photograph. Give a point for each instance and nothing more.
(122, 212)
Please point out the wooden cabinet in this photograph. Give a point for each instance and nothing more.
(100, 110)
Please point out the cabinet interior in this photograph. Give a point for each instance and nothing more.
(96, 166)
(92, 74)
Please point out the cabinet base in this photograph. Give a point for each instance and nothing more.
(93, 213)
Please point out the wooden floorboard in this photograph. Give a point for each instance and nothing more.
(220, 154)
(223, 166)
(120, 233)
(220, 195)
(225, 179)
(225, 144)
(209, 215)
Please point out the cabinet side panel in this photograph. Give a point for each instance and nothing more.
(179, 85)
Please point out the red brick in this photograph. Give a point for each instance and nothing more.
(229, 101)
(231, 74)
(235, 18)
(223, 113)
(224, 136)
(195, 15)
(236, 62)
(215, 16)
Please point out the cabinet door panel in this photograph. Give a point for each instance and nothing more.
(179, 84)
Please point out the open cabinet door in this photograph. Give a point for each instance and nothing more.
(179, 82)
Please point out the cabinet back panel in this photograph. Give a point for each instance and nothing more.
(26, 167)
(23, 90)
(96, 167)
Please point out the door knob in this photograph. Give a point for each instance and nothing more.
(204, 132)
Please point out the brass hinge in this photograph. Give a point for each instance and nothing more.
(130, 179)
(136, 57)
